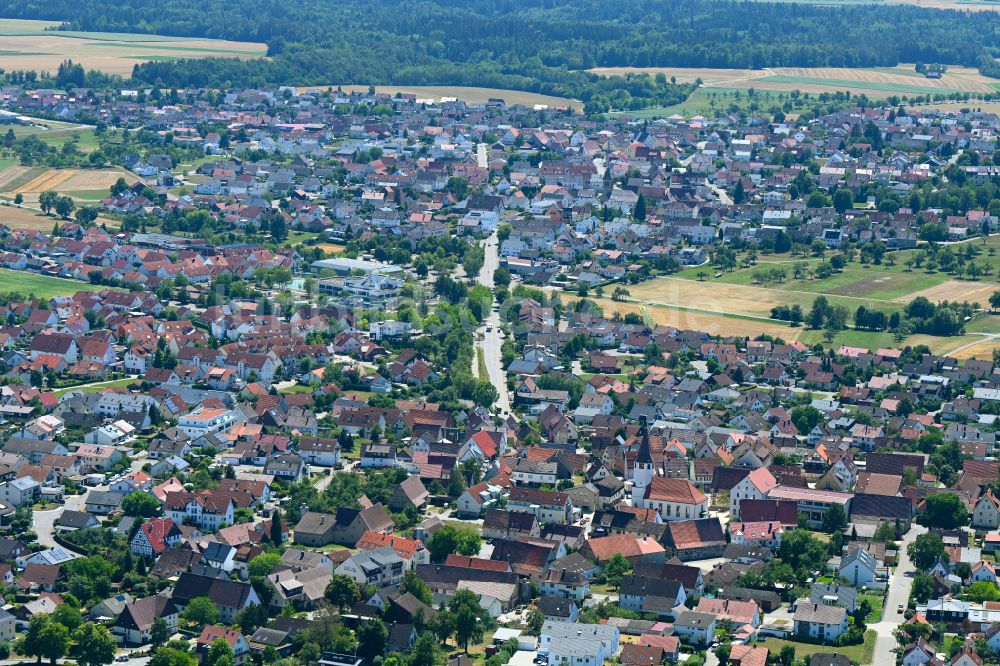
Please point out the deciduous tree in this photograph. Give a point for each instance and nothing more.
(95, 646)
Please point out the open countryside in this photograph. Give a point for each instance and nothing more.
(466, 94)
(875, 82)
(740, 301)
(83, 183)
(27, 45)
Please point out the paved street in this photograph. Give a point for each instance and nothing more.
(43, 522)
(900, 585)
(491, 341)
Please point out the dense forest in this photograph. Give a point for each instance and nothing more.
(537, 45)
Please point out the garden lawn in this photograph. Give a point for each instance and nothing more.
(297, 388)
(877, 603)
(97, 387)
(861, 654)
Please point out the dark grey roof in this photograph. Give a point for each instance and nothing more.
(881, 506)
(104, 497)
(555, 606)
(640, 586)
(75, 519)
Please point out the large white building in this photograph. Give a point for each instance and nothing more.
(206, 421)
(755, 485)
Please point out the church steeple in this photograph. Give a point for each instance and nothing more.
(644, 455)
(643, 471)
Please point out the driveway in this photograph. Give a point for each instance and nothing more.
(43, 523)
(522, 658)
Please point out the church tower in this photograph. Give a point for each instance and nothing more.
(643, 472)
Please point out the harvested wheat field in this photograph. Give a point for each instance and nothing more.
(25, 218)
(982, 350)
(955, 290)
(974, 105)
(10, 177)
(743, 299)
(714, 324)
(63, 180)
(470, 95)
(962, 79)
(27, 45)
(32, 219)
(872, 81)
(48, 180)
(713, 296)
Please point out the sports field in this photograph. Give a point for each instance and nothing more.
(466, 94)
(28, 45)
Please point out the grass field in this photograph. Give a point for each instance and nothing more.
(28, 45)
(41, 286)
(54, 133)
(861, 654)
(466, 94)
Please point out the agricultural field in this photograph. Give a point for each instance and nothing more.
(962, 5)
(52, 132)
(708, 76)
(712, 101)
(41, 286)
(715, 323)
(28, 45)
(742, 299)
(888, 287)
(466, 94)
(84, 185)
(982, 350)
(737, 303)
(28, 219)
(874, 82)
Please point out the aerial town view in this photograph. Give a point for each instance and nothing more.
(487, 332)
